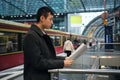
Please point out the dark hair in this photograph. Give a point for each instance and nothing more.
(43, 11)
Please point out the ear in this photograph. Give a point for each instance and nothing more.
(42, 18)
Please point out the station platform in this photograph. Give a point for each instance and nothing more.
(93, 61)
(5, 74)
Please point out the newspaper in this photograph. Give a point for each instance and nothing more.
(79, 51)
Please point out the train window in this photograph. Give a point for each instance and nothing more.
(63, 40)
(3, 43)
(10, 42)
(53, 39)
(72, 38)
(57, 40)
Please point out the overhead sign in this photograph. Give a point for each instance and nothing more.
(75, 21)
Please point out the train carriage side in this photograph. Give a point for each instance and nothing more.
(58, 38)
(11, 37)
(11, 42)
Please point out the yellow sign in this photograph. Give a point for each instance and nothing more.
(76, 19)
(105, 22)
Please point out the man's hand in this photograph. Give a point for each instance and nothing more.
(68, 62)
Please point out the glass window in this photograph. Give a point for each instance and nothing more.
(10, 42)
(53, 39)
(63, 39)
(57, 40)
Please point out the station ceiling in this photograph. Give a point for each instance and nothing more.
(29, 7)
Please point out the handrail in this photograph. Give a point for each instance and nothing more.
(70, 71)
(86, 71)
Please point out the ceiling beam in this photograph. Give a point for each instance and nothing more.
(114, 4)
(83, 5)
(82, 11)
(15, 6)
(48, 6)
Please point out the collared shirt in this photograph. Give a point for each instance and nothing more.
(43, 32)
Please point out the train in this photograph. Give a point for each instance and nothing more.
(14, 32)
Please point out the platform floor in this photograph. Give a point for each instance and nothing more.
(92, 53)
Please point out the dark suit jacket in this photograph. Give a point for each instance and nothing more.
(39, 55)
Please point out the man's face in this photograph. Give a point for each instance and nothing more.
(47, 22)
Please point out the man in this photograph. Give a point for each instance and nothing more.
(39, 53)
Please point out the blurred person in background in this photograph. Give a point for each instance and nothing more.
(9, 45)
(68, 47)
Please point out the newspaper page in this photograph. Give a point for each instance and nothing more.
(79, 51)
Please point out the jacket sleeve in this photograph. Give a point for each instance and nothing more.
(60, 57)
(34, 57)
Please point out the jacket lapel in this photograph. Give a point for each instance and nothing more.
(49, 43)
(46, 38)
